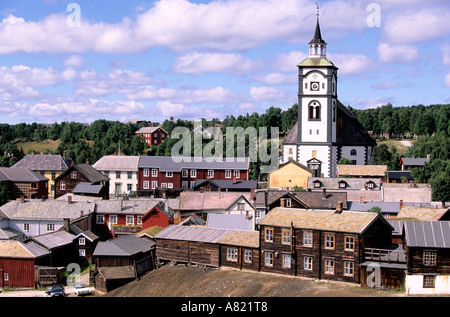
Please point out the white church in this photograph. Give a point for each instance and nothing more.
(326, 130)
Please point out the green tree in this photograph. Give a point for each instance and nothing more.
(345, 161)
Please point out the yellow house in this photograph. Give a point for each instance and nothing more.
(290, 174)
(48, 165)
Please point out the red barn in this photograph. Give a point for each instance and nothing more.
(16, 265)
(153, 135)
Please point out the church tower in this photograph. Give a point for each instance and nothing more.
(317, 109)
(326, 130)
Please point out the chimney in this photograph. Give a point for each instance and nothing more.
(283, 202)
(339, 207)
(247, 216)
(324, 193)
(119, 203)
(69, 199)
(66, 222)
(81, 213)
(362, 200)
(401, 203)
(252, 194)
(234, 180)
(22, 199)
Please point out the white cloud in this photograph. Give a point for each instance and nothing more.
(351, 64)
(199, 63)
(446, 54)
(178, 110)
(369, 103)
(75, 61)
(416, 25)
(269, 94)
(386, 85)
(277, 78)
(288, 62)
(447, 80)
(399, 53)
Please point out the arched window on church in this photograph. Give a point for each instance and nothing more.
(353, 152)
(314, 110)
(290, 151)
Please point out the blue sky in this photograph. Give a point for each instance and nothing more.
(152, 60)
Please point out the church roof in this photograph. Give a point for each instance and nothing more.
(349, 130)
(315, 62)
(317, 35)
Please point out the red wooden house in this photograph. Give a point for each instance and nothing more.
(153, 135)
(16, 265)
(161, 216)
(166, 173)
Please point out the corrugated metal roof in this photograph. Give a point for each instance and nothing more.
(123, 246)
(37, 249)
(197, 234)
(176, 164)
(429, 234)
(54, 239)
(327, 220)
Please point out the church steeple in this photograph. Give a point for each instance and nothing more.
(317, 46)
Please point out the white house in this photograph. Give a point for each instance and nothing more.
(122, 171)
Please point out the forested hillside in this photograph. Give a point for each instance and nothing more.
(428, 126)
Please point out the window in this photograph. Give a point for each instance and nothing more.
(155, 135)
(317, 184)
(353, 152)
(307, 238)
(329, 266)
(53, 176)
(288, 202)
(349, 268)
(192, 184)
(429, 258)
(82, 252)
(130, 220)
(146, 172)
(154, 172)
(370, 185)
(232, 254)
(237, 173)
(169, 185)
(314, 110)
(258, 214)
(211, 173)
(113, 219)
(163, 185)
(429, 281)
(268, 235)
(146, 185)
(50, 227)
(62, 186)
(82, 241)
(74, 175)
(227, 173)
(287, 261)
(26, 227)
(169, 174)
(154, 184)
(6, 276)
(129, 175)
(349, 243)
(184, 173)
(248, 256)
(241, 206)
(118, 174)
(193, 173)
(342, 184)
(100, 219)
(329, 241)
(129, 187)
(268, 258)
(139, 220)
(184, 184)
(286, 237)
(308, 263)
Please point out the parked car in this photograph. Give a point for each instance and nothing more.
(55, 291)
(82, 289)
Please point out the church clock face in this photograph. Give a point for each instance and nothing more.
(315, 86)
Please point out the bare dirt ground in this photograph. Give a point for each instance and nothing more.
(180, 281)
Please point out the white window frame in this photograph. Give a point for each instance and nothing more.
(329, 266)
(307, 238)
(26, 227)
(154, 172)
(184, 184)
(139, 220)
(308, 263)
(268, 234)
(81, 252)
(100, 219)
(50, 227)
(268, 258)
(227, 173)
(146, 185)
(349, 244)
(128, 222)
(184, 172)
(237, 173)
(154, 184)
(232, 254)
(349, 268)
(146, 172)
(169, 174)
(287, 260)
(286, 236)
(194, 173)
(62, 185)
(82, 241)
(329, 241)
(113, 219)
(248, 256)
(211, 173)
(169, 185)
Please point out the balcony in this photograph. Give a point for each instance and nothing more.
(397, 255)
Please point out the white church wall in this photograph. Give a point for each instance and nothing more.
(359, 157)
(322, 154)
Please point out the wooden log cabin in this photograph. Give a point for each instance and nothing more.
(321, 244)
(208, 246)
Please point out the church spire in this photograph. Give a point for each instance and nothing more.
(317, 46)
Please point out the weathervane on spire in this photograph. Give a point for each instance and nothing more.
(317, 5)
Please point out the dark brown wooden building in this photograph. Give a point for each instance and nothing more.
(323, 244)
(21, 182)
(208, 246)
(82, 179)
